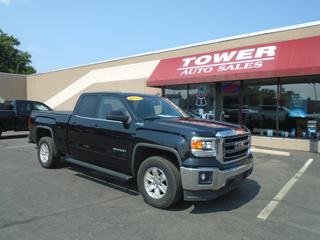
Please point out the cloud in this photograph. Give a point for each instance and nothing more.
(5, 2)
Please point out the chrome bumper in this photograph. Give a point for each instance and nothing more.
(190, 177)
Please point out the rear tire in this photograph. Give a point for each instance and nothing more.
(47, 154)
(0, 130)
(159, 182)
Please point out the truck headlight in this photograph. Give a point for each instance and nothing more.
(203, 147)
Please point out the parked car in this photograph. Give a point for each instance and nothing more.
(14, 114)
(148, 138)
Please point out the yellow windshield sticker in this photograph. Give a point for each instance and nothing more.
(134, 98)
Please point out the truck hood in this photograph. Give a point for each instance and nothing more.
(191, 126)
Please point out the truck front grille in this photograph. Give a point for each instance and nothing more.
(235, 147)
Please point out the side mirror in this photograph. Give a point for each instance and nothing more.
(118, 115)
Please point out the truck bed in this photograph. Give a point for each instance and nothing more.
(59, 116)
(55, 120)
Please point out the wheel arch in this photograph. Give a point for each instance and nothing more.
(43, 131)
(142, 151)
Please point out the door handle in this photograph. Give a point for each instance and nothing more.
(96, 126)
(74, 123)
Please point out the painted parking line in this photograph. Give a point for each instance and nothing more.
(265, 213)
(272, 152)
(15, 147)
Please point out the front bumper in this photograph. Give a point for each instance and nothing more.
(222, 181)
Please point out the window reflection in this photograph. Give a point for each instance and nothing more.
(300, 102)
(178, 95)
(259, 110)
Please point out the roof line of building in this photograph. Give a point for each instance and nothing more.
(16, 74)
(274, 30)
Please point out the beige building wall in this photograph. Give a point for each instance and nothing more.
(13, 86)
(129, 77)
(281, 143)
(134, 86)
(49, 87)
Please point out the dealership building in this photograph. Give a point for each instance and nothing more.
(269, 81)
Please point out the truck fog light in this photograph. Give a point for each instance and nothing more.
(205, 177)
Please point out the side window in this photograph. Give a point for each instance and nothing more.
(40, 107)
(108, 104)
(24, 107)
(88, 106)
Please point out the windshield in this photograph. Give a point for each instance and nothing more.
(151, 107)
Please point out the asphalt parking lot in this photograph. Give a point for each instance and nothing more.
(280, 200)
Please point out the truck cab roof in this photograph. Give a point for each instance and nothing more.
(123, 94)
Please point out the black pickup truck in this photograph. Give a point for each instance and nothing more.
(14, 114)
(129, 135)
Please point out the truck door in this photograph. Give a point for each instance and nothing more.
(23, 110)
(81, 128)
(7, 116)
(111, 140)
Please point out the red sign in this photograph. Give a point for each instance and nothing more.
(288, 58)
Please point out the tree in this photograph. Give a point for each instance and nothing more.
(13, 60)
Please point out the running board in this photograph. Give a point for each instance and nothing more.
(122, 176)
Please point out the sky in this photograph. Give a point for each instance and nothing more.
(61, 34)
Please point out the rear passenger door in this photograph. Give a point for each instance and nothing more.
(23, 110)
(81, 128)
(112, 140)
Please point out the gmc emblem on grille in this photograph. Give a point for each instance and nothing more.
(239, 145)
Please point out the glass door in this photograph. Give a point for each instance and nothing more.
(231, 101)
(201, 102)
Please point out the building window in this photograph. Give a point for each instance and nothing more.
(268, 107)
(259, 108)
(198, 100)
(201, 102)
(281, 108)
(299, 102)
(178, 95)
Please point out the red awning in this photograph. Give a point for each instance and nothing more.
(287, 58)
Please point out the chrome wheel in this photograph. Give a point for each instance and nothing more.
(155, 183)
(44, 153)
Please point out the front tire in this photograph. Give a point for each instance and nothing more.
(47, 154)
(0, 130)
(159, 182)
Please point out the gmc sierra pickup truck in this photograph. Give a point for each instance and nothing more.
(14, 114)
(129, 135)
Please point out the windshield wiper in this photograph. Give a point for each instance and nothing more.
(151, 117)
(162, 116)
